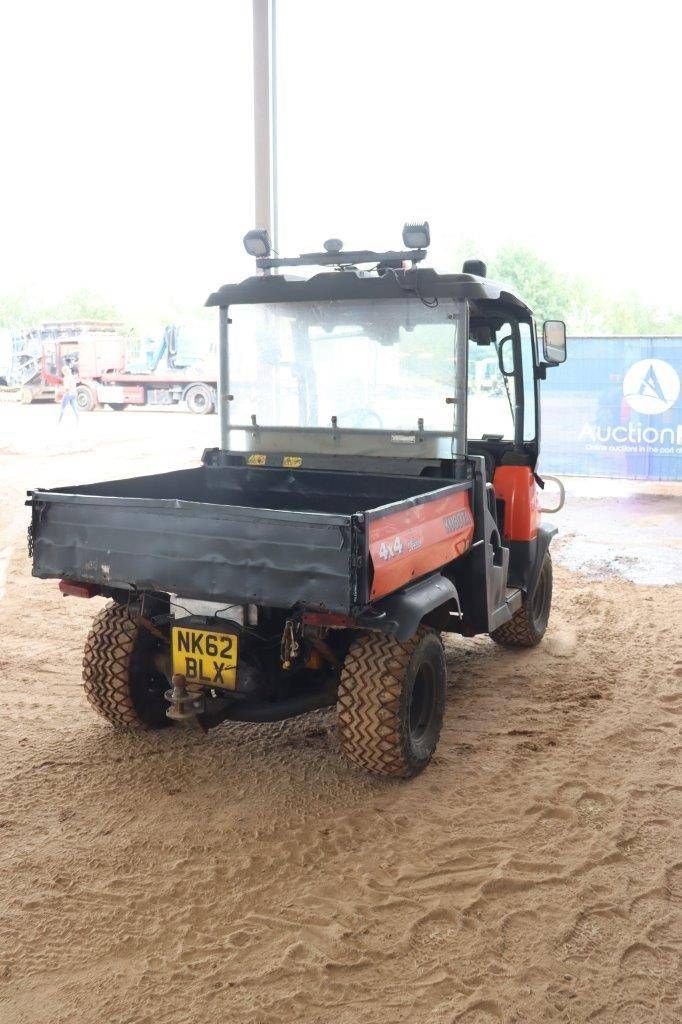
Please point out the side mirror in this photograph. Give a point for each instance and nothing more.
(553, 342)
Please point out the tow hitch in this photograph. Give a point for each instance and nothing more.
(185, 705)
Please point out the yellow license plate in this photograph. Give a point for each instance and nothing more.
(204, 657)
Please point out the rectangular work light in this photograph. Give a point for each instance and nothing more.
(416, 236)
(257, 243)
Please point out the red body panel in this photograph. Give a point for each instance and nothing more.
(70, 589)
(330, 620)
(102, 353)
(134, 395)
(408, 544)
(515, 485)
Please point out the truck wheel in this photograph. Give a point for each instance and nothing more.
(119, 676)
(85, 400)
(527, 626)
(117, 406)
(199, 399)
(391, 702)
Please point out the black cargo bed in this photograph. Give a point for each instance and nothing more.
(269, 536)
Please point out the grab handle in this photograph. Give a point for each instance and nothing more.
(562, 495)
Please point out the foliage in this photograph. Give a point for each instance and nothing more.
(20, 311)
(586, 311)
(546, 292)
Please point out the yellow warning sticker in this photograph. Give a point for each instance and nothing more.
(291, 461)
(256, 460)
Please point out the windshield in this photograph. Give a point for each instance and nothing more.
(375, 365)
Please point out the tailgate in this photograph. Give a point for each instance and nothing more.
(196, 549)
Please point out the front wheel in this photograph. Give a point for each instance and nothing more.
(121, 677)
(85, 400)
(391, 702)
(527, 626)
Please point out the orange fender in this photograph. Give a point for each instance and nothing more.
(516, 487)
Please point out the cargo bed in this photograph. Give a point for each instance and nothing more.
(268, 536)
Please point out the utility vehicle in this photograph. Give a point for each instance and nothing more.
(361, 503)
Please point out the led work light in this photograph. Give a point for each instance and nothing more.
(416, 236)
(257, 243)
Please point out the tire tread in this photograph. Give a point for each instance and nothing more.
(368, 703)
(107, 665)
(520, 630)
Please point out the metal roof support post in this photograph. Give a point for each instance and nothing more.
(224, 397)
(264, 116)
(461, 389)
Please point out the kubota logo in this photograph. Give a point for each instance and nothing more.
(458, 521)
(651, 386)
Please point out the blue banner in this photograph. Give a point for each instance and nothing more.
(614, 409)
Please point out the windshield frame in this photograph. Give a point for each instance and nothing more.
(476, 293)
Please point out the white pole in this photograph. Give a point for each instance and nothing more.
(265, 116)
(224, 381)
(265, 175)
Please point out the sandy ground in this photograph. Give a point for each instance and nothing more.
(533, 873)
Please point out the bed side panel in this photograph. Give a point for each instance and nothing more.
(410, 542)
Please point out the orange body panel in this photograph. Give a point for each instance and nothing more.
(515, 485)
(408, 544)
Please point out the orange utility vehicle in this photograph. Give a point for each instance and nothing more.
(361, 503)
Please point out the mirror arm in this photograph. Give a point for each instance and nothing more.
(499, 349)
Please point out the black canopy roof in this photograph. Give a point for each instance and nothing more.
(350, 284)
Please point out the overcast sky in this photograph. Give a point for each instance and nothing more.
(127, 141)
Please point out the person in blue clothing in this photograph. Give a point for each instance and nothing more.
(69, 396)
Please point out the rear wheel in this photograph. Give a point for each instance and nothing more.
(391, 702)
(120, 677)
(117, 406)
(199, 399)
(527, 626)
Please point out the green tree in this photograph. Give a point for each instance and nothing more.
(83, 304)
(547, 292)
(574, 299)
(21, 311)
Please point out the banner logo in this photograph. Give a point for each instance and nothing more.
(651, 386)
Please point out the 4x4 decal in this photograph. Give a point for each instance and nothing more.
(390, 548)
